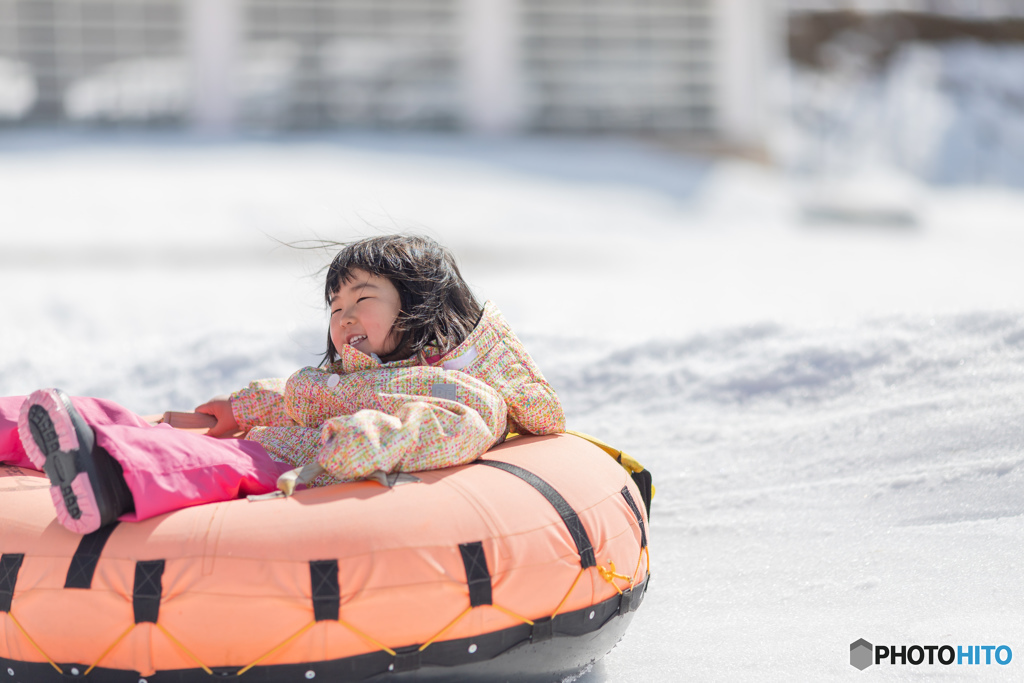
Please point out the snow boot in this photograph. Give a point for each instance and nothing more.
(87, 485)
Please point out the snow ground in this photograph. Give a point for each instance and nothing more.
(951, 113)
(831, 410)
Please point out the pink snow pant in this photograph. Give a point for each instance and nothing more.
(166, 469)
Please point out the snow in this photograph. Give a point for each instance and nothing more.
(949, 113)
(831, 411)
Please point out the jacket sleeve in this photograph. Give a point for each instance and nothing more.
(496, 355)
(413, 434)
(261, 404)
(395, 419)
(296, 446)
(410, 432)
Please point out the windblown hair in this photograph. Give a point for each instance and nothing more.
(438, 308)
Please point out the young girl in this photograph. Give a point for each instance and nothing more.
(417, 375)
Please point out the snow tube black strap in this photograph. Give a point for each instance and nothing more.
(636, 513)
(148, 590)
(10, 565)
(323, 579)
(478, 576)
(565, 511)
(645, 482)
(83, 562)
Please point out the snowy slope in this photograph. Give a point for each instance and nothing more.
(950, 113)
(831, 412)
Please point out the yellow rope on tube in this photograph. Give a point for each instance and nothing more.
(285, 642)
(34, 644)
(610, 575)
(513, 614)
(109, 648)
(367, 638)
(184, 649)
(445, 629)
(567, 593)
(639, 559)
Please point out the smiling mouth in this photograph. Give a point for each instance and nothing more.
(356, 339)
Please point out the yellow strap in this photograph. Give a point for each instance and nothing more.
(445, 629)
(184, 649)
(568, 593)
(109, 648)
(628, 462)
(513, 614)
(639, 559)
(631, 464)
(274, 649)
(367, 638)
(610, 575)
(29, 638)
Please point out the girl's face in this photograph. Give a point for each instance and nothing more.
(363, 311)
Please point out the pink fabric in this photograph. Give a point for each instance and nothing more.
(166, 469)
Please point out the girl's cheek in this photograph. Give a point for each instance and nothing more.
(391, 342)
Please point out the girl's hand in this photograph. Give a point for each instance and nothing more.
(220, 408)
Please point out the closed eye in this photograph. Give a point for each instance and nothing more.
(362, 298)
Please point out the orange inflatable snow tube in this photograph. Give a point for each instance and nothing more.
(524, 565)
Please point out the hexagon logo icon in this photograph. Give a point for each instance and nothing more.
(861, 654)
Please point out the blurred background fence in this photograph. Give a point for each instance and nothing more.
(680, 67)
(929, 87)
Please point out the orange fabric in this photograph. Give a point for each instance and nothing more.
(237, 582)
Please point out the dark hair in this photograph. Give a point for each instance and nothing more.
(438, 308)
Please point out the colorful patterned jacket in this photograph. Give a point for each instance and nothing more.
(359, 415)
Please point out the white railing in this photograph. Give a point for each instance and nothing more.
(116, 60)
(486, 65)
(620, 64)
